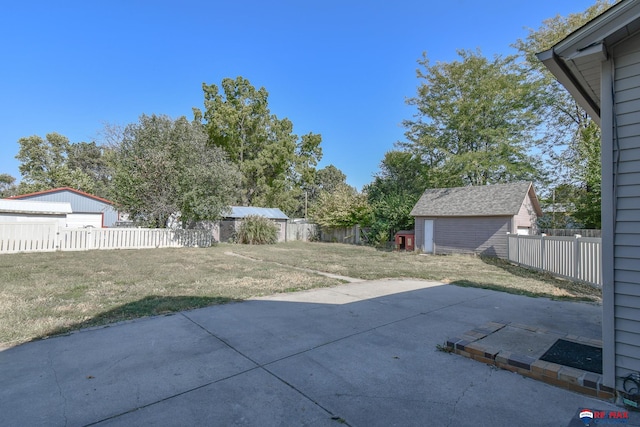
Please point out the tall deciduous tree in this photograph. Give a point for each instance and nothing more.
(7, 185)
(394, 191)
(327, 179)
(164, 167)
(94, 161)
(45, 165)
(571, 139)
(475, 121)
(275, 163)
(344, 207)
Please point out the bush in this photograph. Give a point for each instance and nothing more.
(257, 230)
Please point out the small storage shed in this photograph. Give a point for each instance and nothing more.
(87, 209)
(229, 224)
(474, 219)
(405, 240)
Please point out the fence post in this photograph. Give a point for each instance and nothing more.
(576, 257)
(542, 255)
(57, 244)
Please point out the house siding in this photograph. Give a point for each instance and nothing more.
(479, 235)
(626, 200)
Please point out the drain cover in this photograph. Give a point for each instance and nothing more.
(575, 355)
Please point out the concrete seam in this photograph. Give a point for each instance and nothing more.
(64, 399)
(263, 367)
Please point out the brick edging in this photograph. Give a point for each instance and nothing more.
(585, 382)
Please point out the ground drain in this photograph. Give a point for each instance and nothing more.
(575, 355)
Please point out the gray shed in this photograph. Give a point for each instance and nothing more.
(474, 219)
(87, 208)
(600, 66)
(230, 222)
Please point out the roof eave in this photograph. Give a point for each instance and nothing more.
(567, 59)
(559, 68)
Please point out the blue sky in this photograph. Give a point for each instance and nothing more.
(339, 68)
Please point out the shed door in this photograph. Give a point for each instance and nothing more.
(428, 236)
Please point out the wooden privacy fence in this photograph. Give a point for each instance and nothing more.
(301, 231)
(37, 237)
(576, 258)
(341, 235)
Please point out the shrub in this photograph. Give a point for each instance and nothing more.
(257, 230)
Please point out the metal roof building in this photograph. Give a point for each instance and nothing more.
(83, 204)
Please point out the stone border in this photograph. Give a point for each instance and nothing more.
(585, 382)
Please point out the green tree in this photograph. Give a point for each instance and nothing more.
(275, 163)
(571, 140)
(394, 191)
(344, 207)
(475, 122)
(92, 160)
(327, 179)
(7, 185)
(44, 165)
(164, 167)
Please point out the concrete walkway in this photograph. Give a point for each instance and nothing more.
(360, 354)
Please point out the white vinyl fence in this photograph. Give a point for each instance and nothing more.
(38, 237)
(576, 258)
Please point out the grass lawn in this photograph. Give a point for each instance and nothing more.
(43, 294)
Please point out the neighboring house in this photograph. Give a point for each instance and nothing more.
(230, 223)
(600, 66)
(88, 210)
(474, 219)
(24, 211)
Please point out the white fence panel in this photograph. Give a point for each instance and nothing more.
(36, 237)
(576, 258)
(27, 237)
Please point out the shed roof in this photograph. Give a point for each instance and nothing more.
(59, 190)
(487, 200)
(33, 207)
(576, 60)
(244, 211)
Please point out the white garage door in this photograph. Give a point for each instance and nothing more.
(80, 220)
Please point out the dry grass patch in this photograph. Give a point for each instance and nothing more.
(464, 270)
(42, 294)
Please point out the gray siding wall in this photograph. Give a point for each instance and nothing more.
(419, 233)
(626, 241)
(80, 204)
(479, 235)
